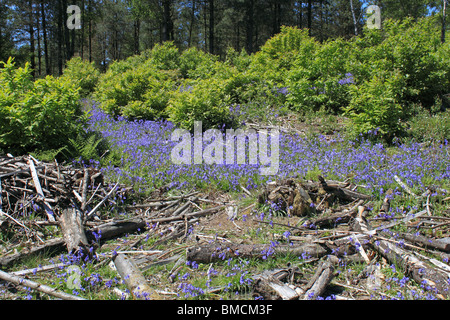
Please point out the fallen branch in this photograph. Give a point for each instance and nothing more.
(215, 252)
(319, 282)
(70, 222)
(135, 281)
(37, 286)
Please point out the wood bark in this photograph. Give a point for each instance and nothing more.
(444, 6)
(343, 193)
(269, 285)
(37, 185)
(215, 252)
(31, 34)
(319, 282)
(211, 26)
(50, 246)
(116, 228)
(37, 286)
(431, 278)
(426, 242)
(134, 279)
(72, 228)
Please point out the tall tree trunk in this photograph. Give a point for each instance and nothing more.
(443, 21)
(137, 29)
(66, 32)
(44, 33)
(276, 17)
(301, 16)
(354, 18)
(205, 24)
(38, 42)
(72, 43)
(250, 26)
(90, 29)
(167, 26)
(83, 17)
(238, 36)
(211, 26)
(309, 16)
(59, 36)
(191, 24)
(31, 33)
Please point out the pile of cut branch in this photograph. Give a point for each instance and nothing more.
(335, 228)
(35, 194)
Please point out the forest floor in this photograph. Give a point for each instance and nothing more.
(291, 238)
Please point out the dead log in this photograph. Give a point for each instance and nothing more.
(84, 190)
(116, 228)
(215, 252)
(426, 242)
(319, 281)
(385, 206)
(37, 286)
(134, 279)
(332, 220)
(70, 221)
(37, 185)
(200, 213)
(49, 246)
(343, 193)
(434, 279)
(269, 285)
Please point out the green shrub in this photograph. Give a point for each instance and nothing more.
(374, 105)
(204, 101)
(410, 48)
(83, 74)
(401, 65)
(165, 56)
(321, 79)
(36, 115)
(279, 54)
(240, 60)
(426, 126)
(196, 64)
(135, 91)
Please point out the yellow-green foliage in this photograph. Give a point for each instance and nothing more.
(36, 115)
(83, 74)
(205, 101)
(135, 89)
(372, 78)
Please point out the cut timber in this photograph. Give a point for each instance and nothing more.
(426, 242)
(432, 278)
(268, 285)
(37, 286)
(116, 228)
(37, 185)
(84, 190)
(404, 186)
(319, 281)
(70, 222)
(49, 246)
(134, 279)
(386, 202)
(187, 216)
(214, 252)
(343, 193)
